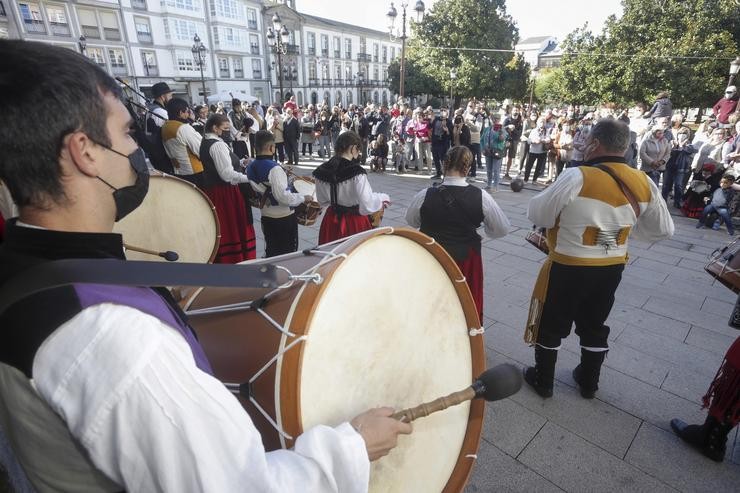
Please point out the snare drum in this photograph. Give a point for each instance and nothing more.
(306, 214)
(175, 215)
(724, 264)
(329, 345)
(376, 217)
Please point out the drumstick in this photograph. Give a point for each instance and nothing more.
(493, 384)
(169, 255)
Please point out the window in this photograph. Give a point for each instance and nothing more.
(96, 55)
(324, 45)
(89, 23)
(32, 19)
(312, 70)
(376, 52)
(110, 26)
(230, 9)
(149, 60)
(363, 45)
(251, 19)
(238, 67)
(143, 30)
(337, 47)
(256, 68)
(2, 10)
(189, 5)
(311, 43)
(338, 70)
(324, 71)
(393, 53)
(254, 44)
(186, 63)
(139, 4)
(57, 20)
(184, 30)
(117, 61)
(348, 48)
(385, 54)
(376, 73)
(223, 67)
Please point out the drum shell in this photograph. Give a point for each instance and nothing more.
(238, 348)
(724, 265)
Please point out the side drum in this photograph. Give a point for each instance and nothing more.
(329, 345)
(724, 265)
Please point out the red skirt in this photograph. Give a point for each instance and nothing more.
(472, 269)
(723, 396)
(238, 242)
(335, 227)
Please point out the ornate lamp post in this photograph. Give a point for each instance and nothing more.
(453, 76)
(531, 89)
(360, 77)
(734, 68)
(82, 43)
(278, 38)
(199, 54)
(392, 14)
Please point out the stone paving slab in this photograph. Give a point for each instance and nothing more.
(575, 465)
(710, 340)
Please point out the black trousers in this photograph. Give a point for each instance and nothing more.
(281, 235)
(310, 149)
(291, 150)
(279, 152)
(438, 154)
(584, 295)
(539, 168)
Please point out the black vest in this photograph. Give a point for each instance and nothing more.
(451, 215)
(211, 177)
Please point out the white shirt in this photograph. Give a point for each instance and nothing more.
(279, 187)
(495, 222)
(222, 159)
(356, 191)
(129, 390)
(186, 139)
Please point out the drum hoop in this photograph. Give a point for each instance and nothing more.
(161, 175)
(288, 379)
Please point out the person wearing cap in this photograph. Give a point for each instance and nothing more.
(156, 118)
(726, 106)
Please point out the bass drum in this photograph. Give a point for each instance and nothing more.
(175, 215)
(329, 345)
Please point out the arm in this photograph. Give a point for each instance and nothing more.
(279, 184)
(545, 207)
(655, 222)
(646, 160)
(204, 436)
(222, 159)
(368, 200)
(413, 213)
(496, 224)
(191, 138)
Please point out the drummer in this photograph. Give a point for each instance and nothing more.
(341, 183)
(268, 178)
(103, 390)
(220, 180)
(451, 214)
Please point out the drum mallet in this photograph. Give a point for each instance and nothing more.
(493, 384)
(169, 255)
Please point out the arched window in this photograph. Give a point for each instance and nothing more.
(376, 97)
(314, 98)
(349, 98)
(327, 97)
(299, 98)
(339, 98)
(277, 99)
(385, 97)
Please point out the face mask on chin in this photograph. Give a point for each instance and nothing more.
(128, 198)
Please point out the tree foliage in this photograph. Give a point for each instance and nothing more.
(469, 24)
(657, 45)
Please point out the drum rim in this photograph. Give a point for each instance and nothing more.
(289, 383)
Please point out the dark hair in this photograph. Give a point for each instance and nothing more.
(214, 121)
(36, 75)
(612, 134)
(459, 158)
(381, 138)
(235, 102)
(729, 177)
(175, 106)
(262, 139)
(213, 108)
(346, 141)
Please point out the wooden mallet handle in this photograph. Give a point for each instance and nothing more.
(440, 404)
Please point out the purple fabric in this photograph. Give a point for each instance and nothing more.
(147, 301)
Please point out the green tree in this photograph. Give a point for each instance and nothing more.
(680, 46)
(470, 24)
(417, 81)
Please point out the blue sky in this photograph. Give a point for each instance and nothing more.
(534, 17)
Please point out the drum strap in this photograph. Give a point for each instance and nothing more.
(50, 275)
(622, 186)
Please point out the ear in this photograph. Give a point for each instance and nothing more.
(81, 152)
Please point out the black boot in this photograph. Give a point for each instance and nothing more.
(541, 376)
(710, 438)
(587, 373)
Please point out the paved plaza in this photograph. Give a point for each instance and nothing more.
(668, 336)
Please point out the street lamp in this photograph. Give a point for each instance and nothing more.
(453, 76)
(279, 43)
(292, 73)
(392, 14)
(82, 43)
(199, 53)
(360, 76)
(734, 68)
(531, 89)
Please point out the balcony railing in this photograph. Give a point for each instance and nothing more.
(139, 4)
(119, 69)
(339, 82)
(254, 49)
(151, 70)
(311, 50)
(348, 55)
(256, 75)
(313, 82)
(364, 57)
(91, 32)
(33, 26)
(252, 24)
(238, 73)
(112, 34)
(224, 73)
(292, 49)
(144, 38)
(326, 82)
(59, 29)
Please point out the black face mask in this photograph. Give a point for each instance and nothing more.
(129, 198)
